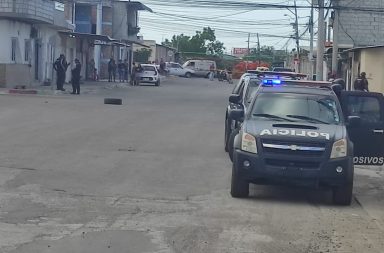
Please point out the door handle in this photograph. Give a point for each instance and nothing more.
(378, 131)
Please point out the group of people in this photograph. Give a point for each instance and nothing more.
(61, 66)
(360, 83)
(122, 68)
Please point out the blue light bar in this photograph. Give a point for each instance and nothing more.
(271, 81)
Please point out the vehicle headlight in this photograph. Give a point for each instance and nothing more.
(248, 143)
(339, 149)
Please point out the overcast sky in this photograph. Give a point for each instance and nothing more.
(231, 26)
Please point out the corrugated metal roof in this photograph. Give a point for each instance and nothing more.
(137, 5)
(362, 48)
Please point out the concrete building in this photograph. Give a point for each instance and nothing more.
(359, 34)
(106, 29)
(368, 59)
(158, 51)
(358, 27)
(30, 40)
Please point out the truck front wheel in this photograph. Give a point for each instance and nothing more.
(342, 195)
(239, 187)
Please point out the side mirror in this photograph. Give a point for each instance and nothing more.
(354, 121)
(234, 98)
(237, 115)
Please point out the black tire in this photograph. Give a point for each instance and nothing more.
(231, 139)
(157, 83)
(342, 195)
(239, 187)
(188, 75)
(113, 101)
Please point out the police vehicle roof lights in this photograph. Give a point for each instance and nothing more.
(271, 82)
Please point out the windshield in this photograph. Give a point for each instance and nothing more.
(252, 88)
(293, 107)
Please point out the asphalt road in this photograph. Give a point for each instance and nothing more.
(152, 176)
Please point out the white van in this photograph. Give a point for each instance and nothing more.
(201, 67)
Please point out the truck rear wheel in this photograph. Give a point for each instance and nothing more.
(239, 187)
(342, 195)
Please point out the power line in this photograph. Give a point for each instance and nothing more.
(251, 5)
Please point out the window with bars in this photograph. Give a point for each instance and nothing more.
(13, 49)
(27, 50)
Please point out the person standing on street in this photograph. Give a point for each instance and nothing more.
(133, 74)
(211, 72)
(76, 77)
(361, 83)
(138, 71)
(126, 70)
(120, 68)
(60, 66)
(111, 70)
(162, 66)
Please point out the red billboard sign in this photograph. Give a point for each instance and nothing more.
(239, 51)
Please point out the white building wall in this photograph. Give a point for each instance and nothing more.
(360, 28)
(18, 30)
(50, 44)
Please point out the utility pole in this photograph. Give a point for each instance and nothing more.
(310, 56)
(249, 38)
(297, 38)
(99, 22)
(320, 42)
(258, 49)
(335, 49)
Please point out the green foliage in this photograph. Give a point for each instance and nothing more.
(267, 54)
(142, 55)
(202, 43)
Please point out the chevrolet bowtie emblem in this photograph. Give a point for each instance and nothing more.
(293, 147)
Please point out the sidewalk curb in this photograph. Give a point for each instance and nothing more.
(23, 91)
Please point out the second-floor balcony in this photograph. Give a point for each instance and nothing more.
(133, 30)
(34, 11)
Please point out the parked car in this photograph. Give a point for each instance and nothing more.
(176, 69)
(150, 74)
(282, 69)
(201, 67)
(262, 69)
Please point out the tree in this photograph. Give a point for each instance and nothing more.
(266, 54)
(202, 43)
(142, 55)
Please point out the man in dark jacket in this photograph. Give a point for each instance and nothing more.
(60, 66)
(126, 70)
(361, 83)
(112, 70)
(76, 77)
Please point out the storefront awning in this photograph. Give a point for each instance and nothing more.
(102, 39)
(138, 6)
